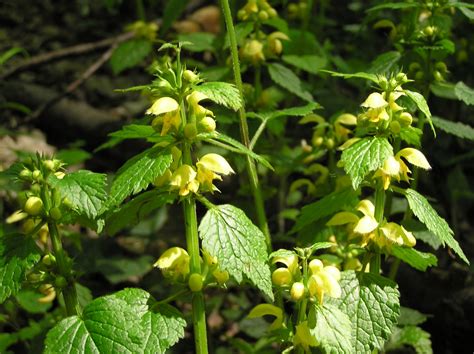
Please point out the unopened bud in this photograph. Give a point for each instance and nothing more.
(34, 206)
(207, 124)
(195, 282)
(297, 291)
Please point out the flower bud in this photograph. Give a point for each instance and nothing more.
(34, 206)
(405, 119)
(55, 214)
(195, 282)
(25, 175)
(441, 66)
(318, 141)
(401, 78)
(49, 165)
(419, 75)
(438, 76)
(395, 127)
(36, 175)
(190, 76)
(221, 276)
(263, 15)
(48, 260)
(281, 277)
(297, 291)
(207, 124)
(272, 12)
(190, 131)
(330, 143)
(60, 282)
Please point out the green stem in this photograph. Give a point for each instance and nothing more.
(244, 129)
(192, 242)
(303, 303)
(375, 261)
(69, 292)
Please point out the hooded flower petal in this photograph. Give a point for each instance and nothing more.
(375, 100)
(415, 157)
(304, 337)
(267, 309)
(163, 105)
(215, 163)
(174, 262)
(184, 179)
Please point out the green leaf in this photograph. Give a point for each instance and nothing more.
(330, 204)
(467, 12)
(364, 156)
(321, 246)
(138, 172)
(129, 54)
(372, 304)
(436, 224)
(287, 79)
(242, 30)
(411, 317)
(384, 62)
(228, 234)
(444, 90)
(310, 63)
(28, 300)
(199, 41)
(411, 135)
(18, 253)
(416, 259)
(288, 112)
(125, 322)
(85, 191)
(137, 209)
(359, 75)
(413, 336)
(234, 145)
(134, 131)
(394, 6)
(464, 93)
(221, 93)
(422, 105)
(332, 330)
(10, 53)
(458, 129)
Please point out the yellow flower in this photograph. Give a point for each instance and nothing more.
(324, 280)
(168, 109)
(267, 309)
(211, 167)
(341, 132)
(393, 96)
(375, 105)
(184, 179)
(16, 216)
(197, 110)
(304, 337)
(174, 262)
(397, 234)
(395, 167)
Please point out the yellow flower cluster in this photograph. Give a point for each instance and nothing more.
(383, 234)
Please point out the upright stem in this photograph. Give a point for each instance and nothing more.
(303, 303)
(244, 129)
(192, 242)
(69, 292)
(375, 262)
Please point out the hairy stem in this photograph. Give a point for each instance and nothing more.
(244, 129)
(192, 242)
(69, 292)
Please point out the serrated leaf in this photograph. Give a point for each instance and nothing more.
(359, 75)
(85, 191)
(372, 303)
(458, 129)
(467, 12)
(411, 135)
(365, 156)
(411, 317)
(136, 210)
(18, 253)
(464, 93)
(416, 259)
(138, 172)
(310, 63)
(234, 145)
(125, 322)
(330, 204)
(436, 224)
(384, 62)
(332, 329)
(129, 53)
(422, 105)
(221, 93)
(287, 79)
(413, 336)
(444, 90)
(228, 234)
